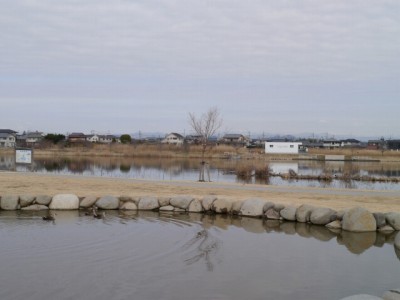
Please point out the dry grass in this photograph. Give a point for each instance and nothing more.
(141, 150)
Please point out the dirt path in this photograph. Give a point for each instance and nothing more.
(32, 183)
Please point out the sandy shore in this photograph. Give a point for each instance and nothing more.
(31, 183)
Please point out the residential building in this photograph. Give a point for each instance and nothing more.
(393, 144)
(234, 138)
(93, 138)
(173, 138)
(76, 137)
(30, 138)
(282, 147)
(7, 138)
(107, 139)
(331, 144)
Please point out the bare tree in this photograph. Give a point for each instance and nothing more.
(205, 126)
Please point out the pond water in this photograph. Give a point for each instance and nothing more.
(147, 255)
(220, 170)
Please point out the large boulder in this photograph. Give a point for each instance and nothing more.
(88, 201)
(322, 215)
(268, 205)
(64, 201)
(167, 208)
(163, 201)
(43, 199)
(272, 214)
(195, 206)
(380, 219)
(181, 201)
(289, 213)
(108, 202)
(148, 203)
(128, 205)
(26, 200)
(236, 207)
(393, 218)
(207, 202)
(221, 206)
(36, 207)
(334, 225)
(9, 202)
(253, 207)
(358, 219)
(303, 213)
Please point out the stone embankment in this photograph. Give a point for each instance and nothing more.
(356, 219)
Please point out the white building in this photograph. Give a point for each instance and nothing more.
(7, 138)
(173, 138)
(93, 138)
(282, 147)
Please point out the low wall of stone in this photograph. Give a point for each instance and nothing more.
(356, 219)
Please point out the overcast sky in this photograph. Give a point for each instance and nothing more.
(269, 66)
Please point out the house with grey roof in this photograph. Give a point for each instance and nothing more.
(234, 138)
(7, 138)
(173, 138)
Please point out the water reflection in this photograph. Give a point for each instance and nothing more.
(220, 170)
(152, 255)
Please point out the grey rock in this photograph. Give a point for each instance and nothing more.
(340, 214)
(279, 207)
(268, 205)
(43, 199)
(178, 209)
(163, 201)
(321, 215)
(252, 207)
(35, 207)
(393, 218)
(148, 203)
(88, 201)
(221, 206)
(334, 225)
(167, 208)
(195, 206)
(289, 213)
(9, 202)
(128, 205)
(181, 201)
(272, 214)
(26, 200)
(207, 202)
(236, 206)
(64, 201)
(303, 213)
(108, 202)
(392, 294)
(361, 297)
(386, 228)
(358, 219)
(380, 219)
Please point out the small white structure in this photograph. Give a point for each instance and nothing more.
(173, 138)
(282, 147)
(93, 138)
